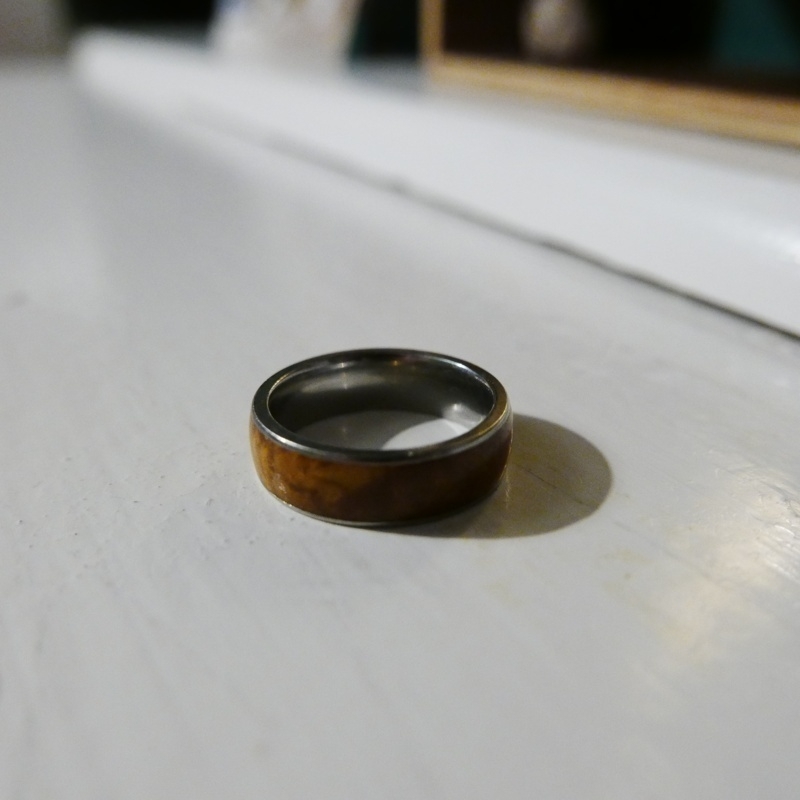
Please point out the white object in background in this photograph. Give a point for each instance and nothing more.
(557, 29)
(305, 30)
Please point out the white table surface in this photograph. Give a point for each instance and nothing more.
(619, 621)
(715, 218)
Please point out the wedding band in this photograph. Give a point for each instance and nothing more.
(379, 487)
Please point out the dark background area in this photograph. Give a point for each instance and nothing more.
(137, 12)
(741, 44)
(755, 42)
(384, 27)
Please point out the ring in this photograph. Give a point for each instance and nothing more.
(377, 485)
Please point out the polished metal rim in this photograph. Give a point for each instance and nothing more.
(391, 379)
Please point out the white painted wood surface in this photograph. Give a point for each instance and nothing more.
(168, 630)
(716, 219)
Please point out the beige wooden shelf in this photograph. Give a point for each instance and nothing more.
(731, 113)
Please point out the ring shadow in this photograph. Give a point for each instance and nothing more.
(554, 478)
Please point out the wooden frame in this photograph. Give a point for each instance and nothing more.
(762, 117)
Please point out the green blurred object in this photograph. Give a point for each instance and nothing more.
(758, 34)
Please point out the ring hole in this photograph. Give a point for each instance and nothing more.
(377, 401)
(386, 429)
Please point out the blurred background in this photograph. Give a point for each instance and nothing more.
(381, 27)
(742, 38)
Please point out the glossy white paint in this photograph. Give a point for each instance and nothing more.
(168, 630)
(716, 219)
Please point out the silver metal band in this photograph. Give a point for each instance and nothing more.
(380, 379)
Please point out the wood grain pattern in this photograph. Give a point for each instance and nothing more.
(365, 494)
